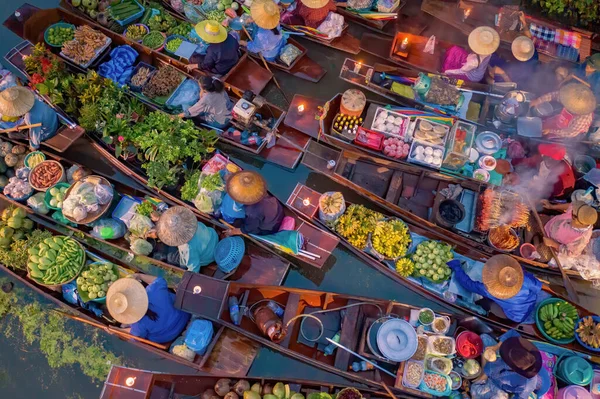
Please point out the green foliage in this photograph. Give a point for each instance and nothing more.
(145, 208)
(189, 191)
(160, 174)
(16, 256)
(579, 12)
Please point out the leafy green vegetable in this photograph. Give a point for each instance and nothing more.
(145, 208)
(212, 182)
(16, 256)
(190, 189)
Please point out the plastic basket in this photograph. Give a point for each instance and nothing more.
(540, 324)
(135, 71)
(84, 295)
(48, 197)
(26, 161)
(62, 178)
(597, 320)
(142, 25)
(68, 281)
(159, 48)
(169, 38)
(423, 387)
(132, 18)
(56, 25)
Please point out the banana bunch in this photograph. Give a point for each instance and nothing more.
(356, 224)
(559, 319)
(405, 267)
(589, 332)
(331, 204)
(391, 238)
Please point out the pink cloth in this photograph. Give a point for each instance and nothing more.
(573, 241)
(548, 362)
(460, 64)
(288, 223)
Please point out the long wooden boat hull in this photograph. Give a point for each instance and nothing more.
(385, 27)
(130, 383)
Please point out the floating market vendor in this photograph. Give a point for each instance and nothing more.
(576, 118)
(18, 101)
(590, 71)
(460, 64)
(267, 39)
(314, 12)
(520, 68)
(249, 206)
(570, 232)
(149, 312)
(196, 243)
(505, 283)
(214, 106)
(222, 52)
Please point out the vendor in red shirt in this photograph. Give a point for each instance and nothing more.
(314, 12)
(550, 162)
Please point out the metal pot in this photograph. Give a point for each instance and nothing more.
(514, 104)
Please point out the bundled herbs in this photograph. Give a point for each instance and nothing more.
(163, 82)
(162, 22)
(190, 188)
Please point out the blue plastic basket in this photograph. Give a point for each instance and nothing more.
(423, 387)
(597, 320)
(132, 18)
(56, 25)
(172, 37)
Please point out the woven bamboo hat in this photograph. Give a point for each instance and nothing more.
(176, 226)
(127, 300)
(502, 276)
(265, 13)
(16, 101)
(522, 48)
(315, 3)
(585, 214)
(211, 31)
(484, 40)
(246, 187)
(577, 98)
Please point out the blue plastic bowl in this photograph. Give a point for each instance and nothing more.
(56, 25)
(597, 320)
(171, 37)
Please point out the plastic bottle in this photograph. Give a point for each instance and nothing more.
(278, 310)
(331, 347)
(234, 310)
(361, 366)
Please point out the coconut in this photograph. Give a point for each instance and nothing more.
(210, 394)
(11, 160)
(231, 395)
(241, 386)
(297, 396)
(256, 388)
(279, 390)
(267, 389)
(18, 150)
(223, 386)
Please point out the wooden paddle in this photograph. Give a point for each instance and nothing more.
(21, 127)
(268, 69)
(112, 330)
(571, 292)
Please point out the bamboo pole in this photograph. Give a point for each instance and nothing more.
(21, 127)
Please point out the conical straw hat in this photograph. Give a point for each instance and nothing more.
(176, 226)
(265, 13)
(484, 40)
(522, 48)
(246, 187)
(127, 300)
(211, 31)
(315, 3)
(577, 98)
(16, 101)
(502, 276)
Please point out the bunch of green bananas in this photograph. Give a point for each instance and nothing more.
(559, 319)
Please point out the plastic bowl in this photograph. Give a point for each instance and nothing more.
(540, 325)
(48, 197)
(159, 48)
(26, 161)
(139, 40)
(62, 178)
(56, 25)
(466, 340)
(597, 320)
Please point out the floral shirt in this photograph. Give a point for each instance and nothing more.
(572, 240)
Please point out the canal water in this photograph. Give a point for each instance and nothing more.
(24, 369)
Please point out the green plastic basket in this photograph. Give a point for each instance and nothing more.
(56, 25)
(48, 197)
(84, 295)
(26, 161)
(540, 324)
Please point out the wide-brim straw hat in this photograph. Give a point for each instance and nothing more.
(127, 300)
(211, 31)
(522, 48)
(265, 13)
(502, 276)
(176, 226)
(577, 98)
(16, 101)
(246, 187)
(315, 3)
(484, 40)
(585, 214)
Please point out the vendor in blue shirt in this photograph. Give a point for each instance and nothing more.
(505, 283)
(149, 312)
(267, 38)
(19, 102)
(222, 52)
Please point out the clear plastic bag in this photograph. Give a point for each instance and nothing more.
(103, 193)
(289, 53)
(140, 225)
(108, 229)
(140, 246)
(36, 202)
(198, 335)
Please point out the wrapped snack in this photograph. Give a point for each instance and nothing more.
(288, 54)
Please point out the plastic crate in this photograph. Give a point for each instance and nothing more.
(401, 122)
(369, 139)
(94, 58)
(56, 25)
(132, 18)
(414, 158)
(169, 38)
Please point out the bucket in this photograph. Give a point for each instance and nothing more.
(573, 370)
(450, 212)
(529, 251)
(583, 164)
(469, 345)
(573, 392)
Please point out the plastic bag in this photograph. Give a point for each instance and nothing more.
(140, 225)
(289, 53)
(103, 193)
(186, 96)
(179, 348)
(140, 246)
(60, 218)
(387, 5)
(360, 4)
(332, 26)
(36, 202)
(71, 295)
(177, 5)
(430, 45)
(108, 229)
(198, 335)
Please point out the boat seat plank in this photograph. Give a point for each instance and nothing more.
(286, 152)
(233, 354)
(115, 384)
(348, 337)
(304, 122)
(297, 197)
(393, 193)
(317, 242)
(291, 310)
(307, 69)
(375, 44)
(374, 178)
(317, 155)
(208, 302)
(201, 360)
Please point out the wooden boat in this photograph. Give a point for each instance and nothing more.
(346, 42)
(246, 75)
(381, 26)
(224, 340)
(319, 244)
(482, 14)
(130, 383)
(353, 327)
(259, 262)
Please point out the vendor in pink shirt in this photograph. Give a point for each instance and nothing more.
(570, 232)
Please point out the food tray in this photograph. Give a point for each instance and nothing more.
(101, 208)
(421, 337)
(433, 338)
(137, 67)
(56, 25)
(62, 178)
(470, 130)
(412, 155)
(432, 367)
(68, 281)
(540, 325)
(132, 18)
(404, 375)
(375, 142)
(426, 137)
(402, 126)
(423, 387)
(48, 197)
(84, 295)
(94, 58)
(140, 40)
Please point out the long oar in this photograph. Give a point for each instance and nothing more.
(21, 127)
(571, 292)
(378, 367)
(112, 330)
(268, 69)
